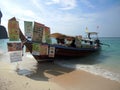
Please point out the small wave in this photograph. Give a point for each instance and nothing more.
(93, 69)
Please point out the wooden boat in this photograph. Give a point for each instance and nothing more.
(62, 51)
(79, 47)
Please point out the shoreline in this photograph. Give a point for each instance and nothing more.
(95, 70)
(81, 80)
(55, 77)
(71, 79)
(50, 76)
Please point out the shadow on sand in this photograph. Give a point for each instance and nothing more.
(47, 70)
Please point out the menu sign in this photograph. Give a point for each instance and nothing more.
(43, 49)
(13, 29)
(37, 32)
(14, 46)
(15, 56)
(36, 49)
(46, 35)
(28, 28)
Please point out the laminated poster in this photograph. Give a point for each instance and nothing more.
(43, 49)
(36, 49)
(52, 52)
(14, 46)
(46, 35)
(13, 30)
(37, 32)
(28, 28)
(15, 56)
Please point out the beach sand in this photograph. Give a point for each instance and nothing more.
(49, 76)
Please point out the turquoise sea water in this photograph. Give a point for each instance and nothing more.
(3, 45)
(106, 63)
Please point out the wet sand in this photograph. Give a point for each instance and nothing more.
(49, 76)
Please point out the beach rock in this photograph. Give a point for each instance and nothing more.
(3, 32)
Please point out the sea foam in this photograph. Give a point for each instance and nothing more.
(93, 69)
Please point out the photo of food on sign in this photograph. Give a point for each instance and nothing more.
(14, 46)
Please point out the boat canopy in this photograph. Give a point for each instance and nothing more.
(92, 33)
(61, 36)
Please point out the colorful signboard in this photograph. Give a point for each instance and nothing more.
(15, 56)
(46, 35)
(28, 26)
(14, 46)
(43, 49)
(37, 32)
(13, 29)
(36, 49)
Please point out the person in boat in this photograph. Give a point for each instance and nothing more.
(68, 41)
(60, 41)
(97, 42)
(0, 16)
(73, 43)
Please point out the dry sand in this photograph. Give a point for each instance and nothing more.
(49, 76)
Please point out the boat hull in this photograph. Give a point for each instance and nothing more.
(63, 52)
(74, 52)
(60, 51)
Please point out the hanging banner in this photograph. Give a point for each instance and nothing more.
(13, 29)
(37, 32)
(15, 56)
(52, 52)
(46, 35)
(36, 49)
(43, 49)
(28, 28)
(15, 46)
